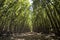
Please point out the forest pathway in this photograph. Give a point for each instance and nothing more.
(30, 36)
(33, 36)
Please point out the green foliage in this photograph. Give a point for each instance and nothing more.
(14, 13)
(16, 16)
(46, 15)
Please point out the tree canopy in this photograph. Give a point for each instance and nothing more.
(23, 16)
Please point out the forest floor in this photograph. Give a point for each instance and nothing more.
(30, 36)
(33, 36)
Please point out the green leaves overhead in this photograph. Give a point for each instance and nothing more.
(14, 12)
(46, 11)
(21, 15)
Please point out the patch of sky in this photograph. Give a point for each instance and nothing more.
(31, 8)
(30, 1)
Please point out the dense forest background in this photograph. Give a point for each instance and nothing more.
(20, 16)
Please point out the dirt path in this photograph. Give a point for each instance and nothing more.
(32, 36)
